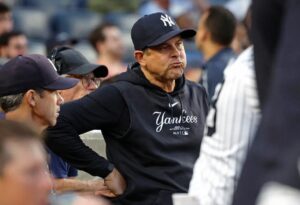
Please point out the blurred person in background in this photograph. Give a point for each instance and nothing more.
(107, 42)
(24, 175)
(215, 33)
(12, 44)
(273, 162)
(231, 127)
(6, 19)
(70, 63)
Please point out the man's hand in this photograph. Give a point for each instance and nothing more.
(115, 182)
(99, 188)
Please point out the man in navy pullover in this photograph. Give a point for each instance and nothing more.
(152, 120)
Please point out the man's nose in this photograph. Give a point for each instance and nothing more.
(175, 51)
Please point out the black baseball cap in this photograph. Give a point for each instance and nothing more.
(23, 73)
(155, 29)
(69, 61)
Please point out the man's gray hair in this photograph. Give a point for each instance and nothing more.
(11, 102)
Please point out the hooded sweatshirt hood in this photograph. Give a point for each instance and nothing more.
(136, 76)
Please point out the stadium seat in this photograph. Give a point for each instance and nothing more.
(87, 50)
(124, 20)
(11, 3)
(78, 24)
(36, 47)
(53, 5)
(33, 22)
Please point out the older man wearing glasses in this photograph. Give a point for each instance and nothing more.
(70, 63)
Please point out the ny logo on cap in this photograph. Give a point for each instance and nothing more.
(167, 20)
(53, 66)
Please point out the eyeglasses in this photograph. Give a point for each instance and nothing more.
(88, 80)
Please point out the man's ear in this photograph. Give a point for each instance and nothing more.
(207, 35)
(30, 98)
(139, 57)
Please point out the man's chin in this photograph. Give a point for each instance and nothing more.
(53, 123)
(176, 74)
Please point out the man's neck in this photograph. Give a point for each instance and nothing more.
(105, 58)
(26, 118)
(210, 50)
(168, 85)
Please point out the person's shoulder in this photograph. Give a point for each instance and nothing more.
(243, 67)
(127, 80)
(224, 57)
(105, 91)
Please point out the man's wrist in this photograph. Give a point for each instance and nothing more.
(110, 167)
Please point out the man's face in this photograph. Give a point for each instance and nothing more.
(25, 179)
(47, 107)
(6, 22)
(113, 41)
(166, 61)
(16, 46)
(201, 35)
(88, 83)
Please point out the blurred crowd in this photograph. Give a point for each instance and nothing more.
(74, 23)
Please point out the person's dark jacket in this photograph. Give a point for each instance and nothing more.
(275, 152)
(153, 137)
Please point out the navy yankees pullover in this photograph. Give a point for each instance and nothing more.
(152, 137)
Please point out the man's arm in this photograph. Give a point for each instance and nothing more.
(98, 110)
(97, 186)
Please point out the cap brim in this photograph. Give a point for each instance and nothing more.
(62, 84)
(99, 71)
(184, 33)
